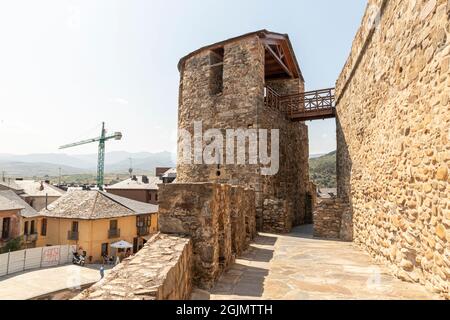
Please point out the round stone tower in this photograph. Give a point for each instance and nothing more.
(223, 96)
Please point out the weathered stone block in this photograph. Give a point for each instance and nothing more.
(209, 214)
(163, 272)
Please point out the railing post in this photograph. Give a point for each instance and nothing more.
(7, 264)
(24, 258)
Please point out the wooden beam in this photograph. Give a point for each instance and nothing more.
(280, 62)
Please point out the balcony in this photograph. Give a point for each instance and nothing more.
(305, 106)
(113, 233)
(72, 235)
(143, 231)
(30, 237)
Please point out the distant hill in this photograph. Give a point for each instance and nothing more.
(313, 156)
(146, 164)
(322, 170)
(37, 169)
(49, 163)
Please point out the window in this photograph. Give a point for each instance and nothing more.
(5, 228)
(32, 227)
(74, 226)
(113, 224)
(216, 72)
(143, 221)
(44, 227)
(25, 228)
(156, 197)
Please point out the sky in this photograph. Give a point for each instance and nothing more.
(66, 65)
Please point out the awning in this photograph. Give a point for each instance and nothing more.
(121, 245)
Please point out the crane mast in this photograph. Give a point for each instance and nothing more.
(101, 151)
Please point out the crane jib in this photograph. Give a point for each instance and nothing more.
(101, 151)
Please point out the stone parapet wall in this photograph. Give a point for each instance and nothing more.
(393, 123)
(276, 216)
(331, 220)
(161, 270)
(220, 219)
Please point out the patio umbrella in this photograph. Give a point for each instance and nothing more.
(121, 245)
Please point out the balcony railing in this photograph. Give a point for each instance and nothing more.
(113, 233)
(142, 231)
(318, 104)
(30, 237)
(72, 235)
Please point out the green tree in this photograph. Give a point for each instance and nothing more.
(12, 245)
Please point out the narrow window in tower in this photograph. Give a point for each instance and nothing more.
(216, 74)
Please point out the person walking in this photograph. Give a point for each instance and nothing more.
(102, 272)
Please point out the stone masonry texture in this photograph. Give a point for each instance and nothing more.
(219, 218)
(240, 105)
(161, 270)
(331, 220)
(393, 124)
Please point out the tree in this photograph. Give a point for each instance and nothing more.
(13, 245)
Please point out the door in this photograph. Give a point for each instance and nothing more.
(104, 249)
(308, 209)
(135, 245)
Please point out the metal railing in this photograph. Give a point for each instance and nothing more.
(143, 231)
(35, 258)
(30, 237)
(72, 235)
(113, 233)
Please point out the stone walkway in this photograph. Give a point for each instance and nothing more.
(36, 283)
(296, 266)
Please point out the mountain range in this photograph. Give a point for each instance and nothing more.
(41, 164)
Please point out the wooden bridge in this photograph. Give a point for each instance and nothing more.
(305, 106)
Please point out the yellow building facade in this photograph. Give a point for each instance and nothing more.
(93, 220)
(95, 236)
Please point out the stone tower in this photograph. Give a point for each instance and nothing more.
(228, 85)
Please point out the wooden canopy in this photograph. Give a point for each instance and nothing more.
(280, 60)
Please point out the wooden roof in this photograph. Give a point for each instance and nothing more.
(280, 60)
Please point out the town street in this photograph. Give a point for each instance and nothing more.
(36, 283)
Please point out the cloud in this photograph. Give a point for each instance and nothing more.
(119, 101)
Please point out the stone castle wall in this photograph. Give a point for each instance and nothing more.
(393, 124)
(332, 220)
(240, 105)
(220, 220)
(161, 270)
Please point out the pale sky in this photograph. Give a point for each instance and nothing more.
(66, 66)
